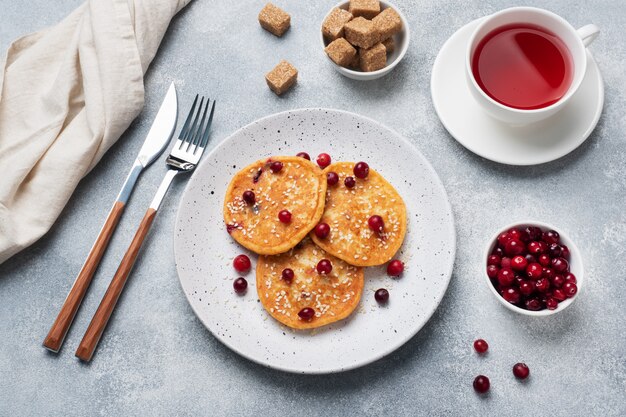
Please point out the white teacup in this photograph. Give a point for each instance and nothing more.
(575, 40)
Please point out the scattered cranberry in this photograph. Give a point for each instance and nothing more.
(542, 285)
(481, 384)
(569, 277)
(287, 275)
(514, 247)
(557, 281)
(332, 178)
(249, 197)
(570, 289)
(552, 303)
(323, 160)
(322, 230)
(284, 216)
(560, 264)
(533, 304)
(381, 295)
(240, 285)
(537, 248)
(324, 267)
(521, 371)
(550, 236)
(376, 223)
(361, 170)
(544, 259)
(492, 271)
(276, 166)
(555, 250)
(306, 313)
(304, 155)
(481, 346)
(526, 288)
(506, 277)
(534, 271)
(559, 295)
(241, 263)
(349, 182)
(395, 268)
(494, 260)
(511, 294)
(565, 252)
(534, 232)
(519, 263)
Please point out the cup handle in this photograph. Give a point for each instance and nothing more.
(588, 33)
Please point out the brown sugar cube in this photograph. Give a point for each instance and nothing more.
(388, 23)
(374, 58)
(361, 32)
(355, 63)
(332, 28)
(389, 45)
(282, 77)
(341, 52)
(366, 8)
(274, 19)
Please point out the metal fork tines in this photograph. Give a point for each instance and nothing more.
(193, 137)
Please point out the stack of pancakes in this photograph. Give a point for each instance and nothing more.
(301, 188)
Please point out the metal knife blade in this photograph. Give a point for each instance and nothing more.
(162, 129)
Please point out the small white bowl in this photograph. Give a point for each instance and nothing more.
(401, 40)
(575, 264)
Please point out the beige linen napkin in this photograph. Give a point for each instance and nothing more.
(66, 95)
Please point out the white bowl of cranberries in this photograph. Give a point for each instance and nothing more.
(533, 268)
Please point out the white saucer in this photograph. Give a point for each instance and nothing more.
(533, 144)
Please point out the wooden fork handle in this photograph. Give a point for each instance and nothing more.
(100, 319)
(54, 339)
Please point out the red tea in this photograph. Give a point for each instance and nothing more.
(523, 66)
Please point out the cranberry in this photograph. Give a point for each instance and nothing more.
(533, 304)
(349, 182)
(322, 230)
(519, 263)
(494, 260)
(565, 252)
(506, 277)
(544, 259)
(569, 277)
(514, 247)
(395, 268)
(361, 170)
(304, 155)
(241, 263)
(537, 248)
(526, 288)
(381, 295)
(276, 166)
(240, 285)
(324, 267)
(559, 295)
(551, 236)
(498, 251)
(332, 178)
(249, 197)
(557, 281)
(492, 271)
(555, 250)
(257, 176)
(284, 216)
(511, 294)
(287, 275)
(503, 238)
(323, 160)
(570, 289)
(548, 273)
(560, 264)
(552, 303)
(376, 223)
(518, 234)
(481, 346)
(481, 384)
(542, 285)
(534, 233)
(534, 271)
(531, 259)
(521, 371)
(505, 262)
(306, 313)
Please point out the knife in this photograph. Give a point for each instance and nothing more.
(158, 137)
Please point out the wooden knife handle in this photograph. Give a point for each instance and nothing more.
(56, 335)
(100, 319)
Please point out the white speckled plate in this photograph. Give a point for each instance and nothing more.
(204, 250)
(473, 128)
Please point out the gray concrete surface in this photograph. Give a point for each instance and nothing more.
(157, 358)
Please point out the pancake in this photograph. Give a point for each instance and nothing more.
(333, 296)
(348, 210)
(299, 187)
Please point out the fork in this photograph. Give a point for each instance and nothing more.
(184, 157)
